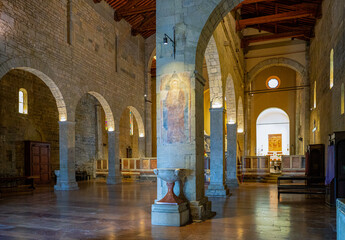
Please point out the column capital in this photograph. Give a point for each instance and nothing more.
(62, 123)
(220, 109)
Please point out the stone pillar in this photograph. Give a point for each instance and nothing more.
(114, 175)
(66, 176)
(141, 146)
(217, 187)
(231, 164)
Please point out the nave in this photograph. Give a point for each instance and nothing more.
(123, 211)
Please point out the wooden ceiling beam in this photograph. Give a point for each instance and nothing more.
(139, 10)
(148, 20)
(269, 37)
(241, 24)
(246, 2)
(127, 7)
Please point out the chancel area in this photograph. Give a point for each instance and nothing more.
(193, 119)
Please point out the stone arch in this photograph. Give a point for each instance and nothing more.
(220, 9)
(230, 96)
(152, 55)
(240, 116)
(139, 120)
(107, 110)
(285, 62)
(42, 71)
(214, 74)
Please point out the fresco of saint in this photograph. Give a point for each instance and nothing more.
(175, 105)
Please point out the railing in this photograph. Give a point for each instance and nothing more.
(255, 165)
(293, 164)
(141, 165)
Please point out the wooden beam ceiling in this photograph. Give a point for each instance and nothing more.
(141, 14)
(281, 18)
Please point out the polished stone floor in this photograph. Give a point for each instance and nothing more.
(122, 211)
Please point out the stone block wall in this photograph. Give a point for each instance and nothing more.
(79, 46)
(40, 124)
(329, 34)
(126, 140)
(86, 134)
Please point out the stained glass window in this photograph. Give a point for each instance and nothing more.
(106, 124)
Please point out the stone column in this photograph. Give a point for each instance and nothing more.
(114, 175)
(217, 187)
(66, 175)
(231, 164)
(141, 146)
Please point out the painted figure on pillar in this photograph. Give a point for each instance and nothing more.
(175, 105)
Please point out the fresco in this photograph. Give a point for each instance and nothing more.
(175, 106)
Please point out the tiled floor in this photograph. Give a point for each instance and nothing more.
(122, 211)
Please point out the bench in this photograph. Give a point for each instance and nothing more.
(17, 184)
(307, 185)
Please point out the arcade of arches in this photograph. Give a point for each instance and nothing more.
(170, 113)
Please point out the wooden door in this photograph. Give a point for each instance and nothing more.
(38, 161)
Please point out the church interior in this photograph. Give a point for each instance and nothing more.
(181, 119)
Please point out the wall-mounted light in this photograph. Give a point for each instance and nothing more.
(166, 39)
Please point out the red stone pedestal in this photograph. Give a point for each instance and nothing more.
(170, 197)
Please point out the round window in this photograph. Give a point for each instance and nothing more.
(273, 82)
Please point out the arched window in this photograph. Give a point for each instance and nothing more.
(23, 101)
(314, 94)
(342, 108)
(331, 71)
(273, 82)
(131, 127)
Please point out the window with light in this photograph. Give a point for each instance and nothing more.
(23, 101)
(273, 82)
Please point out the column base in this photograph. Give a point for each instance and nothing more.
(201, 210)
(113, 180)
(170, 214)
(217, 191)
(66, 186)
(232, 183)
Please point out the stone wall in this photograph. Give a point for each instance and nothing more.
(329, 33)
(86, 135)
(78, 55)
(126, 140)
(283, 100)
(40, 124)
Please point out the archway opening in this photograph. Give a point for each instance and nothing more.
(273, 133)
(31, 107)
(91, 138)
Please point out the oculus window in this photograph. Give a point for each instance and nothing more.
(273, 82)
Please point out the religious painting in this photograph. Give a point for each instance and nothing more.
(175, 94)
(275, 142)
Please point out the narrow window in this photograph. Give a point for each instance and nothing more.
(342, 108)
(331, 71)
(23, 101)
(314, 94)
(106, 124)
(131, 129)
